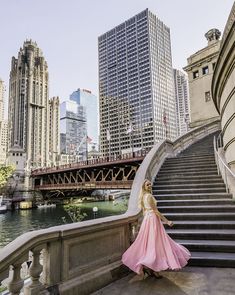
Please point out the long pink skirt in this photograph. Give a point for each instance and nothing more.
(153, 248)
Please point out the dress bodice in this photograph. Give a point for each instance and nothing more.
(146, 201)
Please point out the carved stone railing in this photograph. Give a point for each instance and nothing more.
(82, 257)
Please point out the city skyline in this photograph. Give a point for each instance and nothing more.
(78, 34)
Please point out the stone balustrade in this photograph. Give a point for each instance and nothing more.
(82, 257)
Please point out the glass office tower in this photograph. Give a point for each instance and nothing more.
(73, 131)
(136, 90)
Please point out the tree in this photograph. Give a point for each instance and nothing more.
(5, 173)
(74, 213)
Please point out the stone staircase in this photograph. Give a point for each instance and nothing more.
(191, 194)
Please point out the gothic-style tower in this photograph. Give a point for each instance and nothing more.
(28, 109)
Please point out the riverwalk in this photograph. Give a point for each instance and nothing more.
(189, 281)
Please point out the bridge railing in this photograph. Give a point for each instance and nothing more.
(91, 162)
(82, 257)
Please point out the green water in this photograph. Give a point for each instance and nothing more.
(15, 223)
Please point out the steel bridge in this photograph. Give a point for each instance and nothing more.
(103, 173)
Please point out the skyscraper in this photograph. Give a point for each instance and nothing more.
(54, 130)
(73, 130)
(182, 101)
(137, 104)
(3, 126)
(88, 100)
(2, 92)
(28, 109)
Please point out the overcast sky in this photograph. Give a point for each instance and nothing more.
(67, 32)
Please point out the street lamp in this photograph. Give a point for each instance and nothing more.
(95, 211)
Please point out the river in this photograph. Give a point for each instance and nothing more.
(15, 223)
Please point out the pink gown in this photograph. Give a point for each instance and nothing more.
(153, 248)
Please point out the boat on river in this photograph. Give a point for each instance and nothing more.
(3, 208)
(44, 206)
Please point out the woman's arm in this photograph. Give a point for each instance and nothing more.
(153, 206)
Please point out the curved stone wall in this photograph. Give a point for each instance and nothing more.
(223, 88)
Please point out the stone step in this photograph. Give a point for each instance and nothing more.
(188, 185)
(188, 181)
(175, 191)
(183, 173)
(189, 159)
(206, 196)
(195, 202)
(215, 259)
(201, 234)
(204, 224)
(187, 170)
(205, 208)
(188, 165)
(200, 216)
(209, 245)
(185, 177)
(195, 156)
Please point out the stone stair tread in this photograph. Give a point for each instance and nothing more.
(194, 195)
(199, 207)
(189, 185)
(196, 200)
(201, 231)
(206, 222)
(185, 177)
(207, 242)
(193, 156)
(193, 189)
(213, 255)
(202, 214)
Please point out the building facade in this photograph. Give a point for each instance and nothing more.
(182, 101)
(54, 131)
(73, 130)
(88, 100)
(28, 109)
(136, 92)
(200, 69)
(3, 126)
(223, 91)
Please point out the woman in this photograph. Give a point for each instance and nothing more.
(153, 250)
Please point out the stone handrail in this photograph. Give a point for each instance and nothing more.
(82, 257)
(223, 169)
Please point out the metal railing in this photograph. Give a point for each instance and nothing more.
(218, 143)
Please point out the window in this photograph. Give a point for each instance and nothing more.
(205, 70)
(195, 74)
(207, 96)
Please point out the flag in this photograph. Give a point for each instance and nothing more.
(130, 129)
(88, 139)
(108, 134)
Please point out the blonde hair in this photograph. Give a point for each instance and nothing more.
(143, 191)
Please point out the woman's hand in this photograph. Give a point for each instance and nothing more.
(170, 223)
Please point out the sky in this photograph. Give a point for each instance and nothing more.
(67, 32)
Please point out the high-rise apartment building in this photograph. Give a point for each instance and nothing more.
(73, 130)
(200, 70)
(182, 101)
(2, 95)
(54, 130)
(136, 91)
(3, 126)
(88, 100)
(28, 110)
